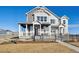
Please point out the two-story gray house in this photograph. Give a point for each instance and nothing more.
(43, 22)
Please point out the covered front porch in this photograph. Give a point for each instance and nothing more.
(39, 31)
(28, 30)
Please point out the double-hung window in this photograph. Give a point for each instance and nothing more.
(53, 21)
(45, 18)
(42, 18)
(64, 22)
(38, 18)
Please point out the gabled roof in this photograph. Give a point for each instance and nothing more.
(32, 10)
(65, 17)
(51, 12)
(45, 9)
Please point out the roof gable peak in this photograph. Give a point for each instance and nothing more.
(43, 7)
(65, 17)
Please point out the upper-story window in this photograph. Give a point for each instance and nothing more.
(38, 18)
(42, 18)
(45, 19)
(53, 21)
(64, 22)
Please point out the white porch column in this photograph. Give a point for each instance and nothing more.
(59, 30)
(50, 30)
(33, 28)
(26, 30)
(19, 30)
(40, 29)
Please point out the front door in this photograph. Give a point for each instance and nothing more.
(36, 31)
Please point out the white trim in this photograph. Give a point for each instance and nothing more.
(19, 30)
(26, 30)
(33, 27)
(40, 29)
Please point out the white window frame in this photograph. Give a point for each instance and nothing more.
(42, 18)
(52, 21)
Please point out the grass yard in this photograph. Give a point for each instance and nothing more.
(31, 47)
(34, 48)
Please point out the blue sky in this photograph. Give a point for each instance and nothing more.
(11, 15)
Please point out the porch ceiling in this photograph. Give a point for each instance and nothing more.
(44, 24)
(23, 25)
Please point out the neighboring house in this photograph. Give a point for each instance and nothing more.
(5, 32)
(41, 21)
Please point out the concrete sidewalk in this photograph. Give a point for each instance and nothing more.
(68, 45)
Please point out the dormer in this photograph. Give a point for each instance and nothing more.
(64, 20)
